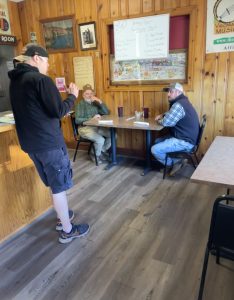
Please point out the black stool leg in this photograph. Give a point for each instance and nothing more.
(77, 146)
(94, 152)
(203, 277)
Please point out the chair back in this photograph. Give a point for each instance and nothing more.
(222, 224)
(74, 125)
(201, 130)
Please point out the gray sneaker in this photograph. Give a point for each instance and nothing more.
(93, 159)
(104, 157)
(78, 230)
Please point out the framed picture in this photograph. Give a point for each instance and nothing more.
(87, 33)
(58, 34)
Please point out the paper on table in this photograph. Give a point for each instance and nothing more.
(7, 120)
(105, 121)
(9, 115)
(141, 123)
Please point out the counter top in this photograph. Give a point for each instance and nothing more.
(6, 127)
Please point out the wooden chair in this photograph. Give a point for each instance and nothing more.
(221, 235)
(191, 155)
(80, 139)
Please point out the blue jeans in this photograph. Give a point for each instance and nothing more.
(169, 144)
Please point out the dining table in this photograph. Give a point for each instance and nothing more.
(127, 122)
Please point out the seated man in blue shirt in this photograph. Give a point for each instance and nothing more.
(183, 123)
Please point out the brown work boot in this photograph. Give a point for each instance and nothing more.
(177, 166)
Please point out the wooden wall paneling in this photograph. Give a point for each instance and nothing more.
(195, 2)
(165, 102)
(134, 102)
(15, 23)
(149, 101)
(87, 8)
(148, 6)
(221, 93)
(126, 107)
(68, 7)
(196, 96)
(209, 95)
(124, 8)
(68, 67)
(191, 51)
(46, 9)
(229, 109)
(105, 51)
(36, 26)
(171, 4)
(79, 10)
(184, 3)
(55, 8)
(158, 5)
(138, 142)
(114, 8)
(23, 21)
(103, 9)
(135, 7)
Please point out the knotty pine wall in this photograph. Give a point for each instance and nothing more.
(212, 90)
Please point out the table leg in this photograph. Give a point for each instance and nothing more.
(113, 150)
(148, 152)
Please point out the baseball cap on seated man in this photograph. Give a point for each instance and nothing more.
(176, 86)
(29, 51)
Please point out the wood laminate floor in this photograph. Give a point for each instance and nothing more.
(146, 242)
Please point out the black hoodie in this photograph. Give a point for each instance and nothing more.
(37, 107)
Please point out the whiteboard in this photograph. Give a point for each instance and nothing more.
(142, 38)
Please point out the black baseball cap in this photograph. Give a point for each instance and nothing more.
(29, 51)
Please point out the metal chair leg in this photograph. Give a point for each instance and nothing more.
(77, 146)
(90, 146)
(197, 161)
(203, 277)
(191, 159)
(228, 193)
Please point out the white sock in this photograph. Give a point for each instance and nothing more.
(61, 207)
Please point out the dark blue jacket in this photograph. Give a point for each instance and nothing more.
(187, 128)
(38, 108)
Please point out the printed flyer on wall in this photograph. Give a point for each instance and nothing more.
(220, 26)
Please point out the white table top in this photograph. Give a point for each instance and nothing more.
(217, 166)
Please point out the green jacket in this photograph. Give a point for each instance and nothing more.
(85, 111)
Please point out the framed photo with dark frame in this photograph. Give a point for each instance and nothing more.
(87, 34)
(58, 34)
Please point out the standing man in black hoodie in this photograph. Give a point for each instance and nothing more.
(38, 108)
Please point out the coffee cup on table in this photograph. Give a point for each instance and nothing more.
(120, 111)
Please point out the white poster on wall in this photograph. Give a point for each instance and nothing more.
(142, 38)
(220, 26)
(5, 27)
